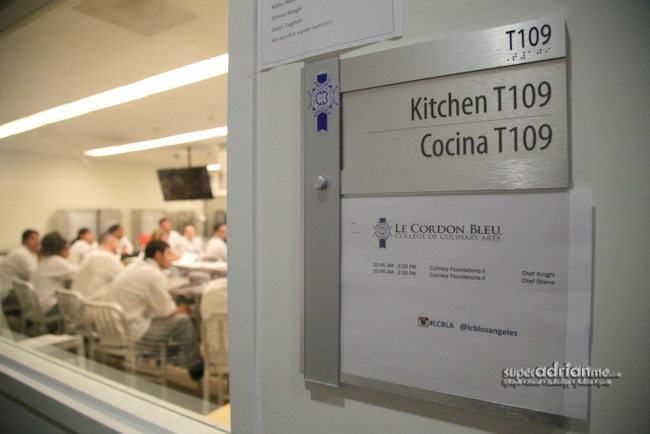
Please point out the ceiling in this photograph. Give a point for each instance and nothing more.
(71, 49)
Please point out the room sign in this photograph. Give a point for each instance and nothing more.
(438, 226)
(469, 121)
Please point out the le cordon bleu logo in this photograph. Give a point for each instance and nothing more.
(382, 232)
(446, 232)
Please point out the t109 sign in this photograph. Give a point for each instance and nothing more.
(496, 125)
(532, 38)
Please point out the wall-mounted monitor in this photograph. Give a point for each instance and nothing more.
(185, 183)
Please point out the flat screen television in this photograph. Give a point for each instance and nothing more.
(185, 184)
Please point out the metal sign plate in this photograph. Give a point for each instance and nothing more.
(514, 44)
(497, 129)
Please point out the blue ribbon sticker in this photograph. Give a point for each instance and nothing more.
(321, 100)
(382, 232)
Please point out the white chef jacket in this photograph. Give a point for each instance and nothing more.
(125, 246)
(216, 249)
(79, 250)
(172, 238)
(96, 273)
(20, 263)
(52, 272)
(184, 245)
(215, 297)
(141, 290)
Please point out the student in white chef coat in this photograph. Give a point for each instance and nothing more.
(20, 263)
(189, 244)
(216, 249)
(125, 247)
(53, 272)
(172, 236)
(152, 315)
(214, 299)
(99, 269)
(81, 246)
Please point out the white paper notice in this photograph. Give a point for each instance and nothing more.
(444, 292)
(292, 30)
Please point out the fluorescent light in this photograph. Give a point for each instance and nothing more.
(158, 143)
(214, 167)
(158, 83)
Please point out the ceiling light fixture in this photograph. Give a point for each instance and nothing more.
(194, 136)
(214, 167)
(158, 83)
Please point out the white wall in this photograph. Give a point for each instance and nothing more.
(33, 187)
(608, 81)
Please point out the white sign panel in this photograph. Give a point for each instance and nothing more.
(443, 293)
(292, 30)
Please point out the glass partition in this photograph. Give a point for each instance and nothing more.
(179, 393)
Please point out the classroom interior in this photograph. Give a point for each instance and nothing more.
(66, 51)
(57, 52)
